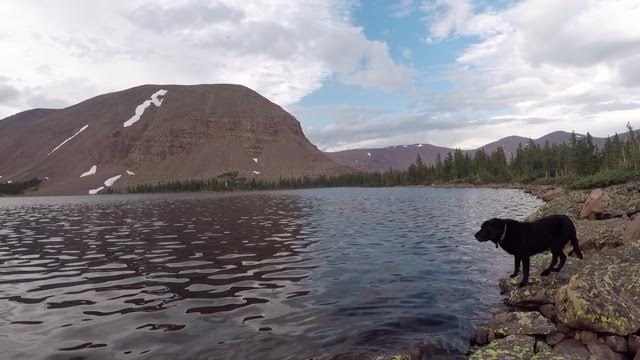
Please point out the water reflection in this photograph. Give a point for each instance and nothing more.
(316, 273)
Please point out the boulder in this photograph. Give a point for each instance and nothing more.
(513, 347)
(586, 336)
(634, 343)
(548, 311)
(479, 336)
(572, 347)
(602, 352)
(616, 343)
(520, 323)
(594, 206)
(604, 295)
(553, 356)
(542, 346)
(541, 289)
(595, 235)
(632, 232)
(552, 194)
(554, 339)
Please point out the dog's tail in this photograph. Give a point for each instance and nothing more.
(576, 247)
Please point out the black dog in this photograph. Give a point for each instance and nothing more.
(525, 239)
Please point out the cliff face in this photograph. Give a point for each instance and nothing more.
(157, 132)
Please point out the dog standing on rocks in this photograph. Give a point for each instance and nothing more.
(525, 239)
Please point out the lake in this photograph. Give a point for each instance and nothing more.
(323, 273)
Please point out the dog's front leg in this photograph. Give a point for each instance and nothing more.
(516, 269)
(525, 271)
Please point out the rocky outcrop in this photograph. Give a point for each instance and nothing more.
(520, 323)
(513, 347)
(594, 206)
(591, 309)
(604, 295)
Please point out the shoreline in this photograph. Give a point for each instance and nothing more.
(588, 310)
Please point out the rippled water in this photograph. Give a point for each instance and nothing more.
(270, 275)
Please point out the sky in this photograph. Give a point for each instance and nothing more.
(458, 73)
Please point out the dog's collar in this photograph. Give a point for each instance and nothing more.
(504, 234)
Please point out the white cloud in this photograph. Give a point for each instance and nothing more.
(534, 67)
(283, 49)
(570, 63)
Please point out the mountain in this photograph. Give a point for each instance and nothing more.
(400, 157)
(156, 133)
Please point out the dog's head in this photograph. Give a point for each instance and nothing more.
(492, 229)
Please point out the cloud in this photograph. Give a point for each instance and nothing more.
(542, 59)
(531, 68)
(403, 8)
(7, 92)
(283, 49)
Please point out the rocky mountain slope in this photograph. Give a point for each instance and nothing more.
(400, 157)
(156, 133)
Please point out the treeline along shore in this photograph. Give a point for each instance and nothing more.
(578, 164)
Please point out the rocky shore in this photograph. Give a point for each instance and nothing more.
(590, 309)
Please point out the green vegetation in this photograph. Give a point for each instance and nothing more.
(18, 187)
(578, 164)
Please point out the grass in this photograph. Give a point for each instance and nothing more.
(605, 178)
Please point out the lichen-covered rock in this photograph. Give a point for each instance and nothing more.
(542, 346)
(513, 347)
(544, 355)
(541, 289)
(595, 235)
(520, 323)
(632, 232)
(604, 295)
(594, 206)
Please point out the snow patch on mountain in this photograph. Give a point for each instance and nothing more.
(91, 171)
(110, 181)
(155, 100)
(67, 139)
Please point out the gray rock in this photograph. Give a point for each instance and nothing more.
(603, 352)
(616, 343)
(554, 339)
(572, 347)
(548, 311)
(479, 336)
(633, 343)
(587, 336)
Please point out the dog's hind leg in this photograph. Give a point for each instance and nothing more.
(525, 271)
(554, 260)
(563, 258)
(516, 269)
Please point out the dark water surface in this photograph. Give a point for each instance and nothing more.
(263, 275)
